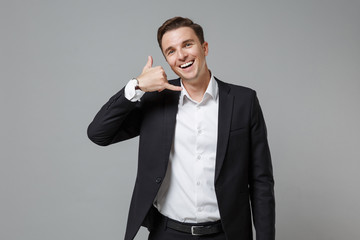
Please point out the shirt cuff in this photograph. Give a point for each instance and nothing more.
(131, 93)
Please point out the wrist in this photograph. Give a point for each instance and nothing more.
(137, 84)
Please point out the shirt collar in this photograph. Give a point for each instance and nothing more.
(212, 90)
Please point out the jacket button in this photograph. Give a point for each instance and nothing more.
(158, 180)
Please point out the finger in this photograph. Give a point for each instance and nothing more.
(149, 63)
(172, 87)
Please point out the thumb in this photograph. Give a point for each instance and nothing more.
(149, 63)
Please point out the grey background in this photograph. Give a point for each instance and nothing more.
(62, 60)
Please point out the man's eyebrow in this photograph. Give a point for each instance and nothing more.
(166, 50)
(186, 41)
(189, 40)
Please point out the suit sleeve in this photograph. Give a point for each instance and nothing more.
(119, 119)
(261, 180)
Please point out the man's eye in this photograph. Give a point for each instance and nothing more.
(170, 52)
(188, 45)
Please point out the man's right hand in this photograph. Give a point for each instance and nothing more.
(154, 79)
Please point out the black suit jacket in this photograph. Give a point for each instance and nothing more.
(243, 173)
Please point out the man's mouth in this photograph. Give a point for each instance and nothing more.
(186, 65)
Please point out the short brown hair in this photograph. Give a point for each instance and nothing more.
(178, 22)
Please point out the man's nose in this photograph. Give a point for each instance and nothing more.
(182, 55)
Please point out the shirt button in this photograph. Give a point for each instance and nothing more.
(198, 183)
(158, 180)
(199, 157)
(199, 131)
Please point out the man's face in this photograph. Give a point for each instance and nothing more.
(185, 54)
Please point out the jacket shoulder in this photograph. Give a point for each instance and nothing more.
(237, 90)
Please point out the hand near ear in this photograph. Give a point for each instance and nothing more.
(154, 79)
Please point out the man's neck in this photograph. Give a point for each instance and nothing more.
(196, 88)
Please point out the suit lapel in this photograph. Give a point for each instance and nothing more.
(226, 101)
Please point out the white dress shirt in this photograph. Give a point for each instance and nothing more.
(187, 193)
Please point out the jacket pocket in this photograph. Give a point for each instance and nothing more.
(239, 131)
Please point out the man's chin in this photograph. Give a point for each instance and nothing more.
(187, 77)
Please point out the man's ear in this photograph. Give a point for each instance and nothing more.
(205, 46)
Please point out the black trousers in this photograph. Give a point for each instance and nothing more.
(161, 232)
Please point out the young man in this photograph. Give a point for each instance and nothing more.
(204, 167)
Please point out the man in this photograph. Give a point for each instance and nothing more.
(204, 167)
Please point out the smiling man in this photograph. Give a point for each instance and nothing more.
(204, 166)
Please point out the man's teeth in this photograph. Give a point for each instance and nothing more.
(186, 64)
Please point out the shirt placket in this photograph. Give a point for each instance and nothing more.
(199, 159)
